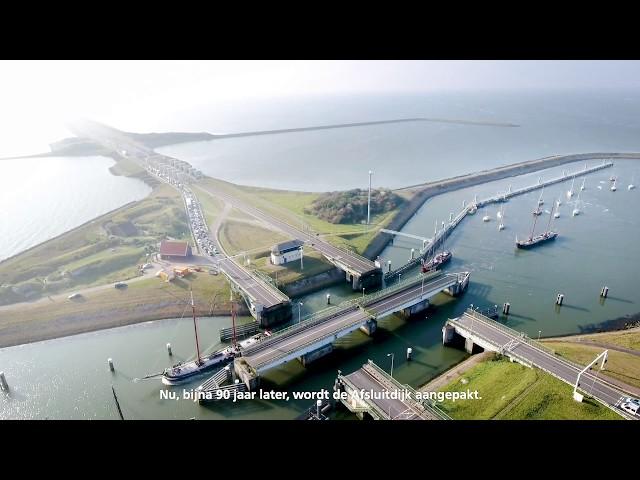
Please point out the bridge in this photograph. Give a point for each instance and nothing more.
(313, 337)
(477, 329)
(429, 248)
(372, 391)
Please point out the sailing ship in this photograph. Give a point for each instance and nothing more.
(437, 261)
(184, 371)
(532, 240)
(576, 210)
(631, 185)
(557, 214)
(570, 192)
(613, 187)
(582, 186)
(501, 217)
(540, 200)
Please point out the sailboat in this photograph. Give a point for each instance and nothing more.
(486, 218)
(540, 201)
(557, 214)
(576, 210)
(613, 187)
(582, 186)
(501, 217)
(535, 240)
(570, 192)
(182, 372)
(631, 185)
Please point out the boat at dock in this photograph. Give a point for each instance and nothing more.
(184, 371)
(534, 240)
(437, 261)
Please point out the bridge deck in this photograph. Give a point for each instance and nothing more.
(497, 337)
(376, 382)
(315, 333)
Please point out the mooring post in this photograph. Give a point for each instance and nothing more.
(505, 308)
(110, 362)
(604, 292)
(559, 299)
(4, 386)
(169, 349)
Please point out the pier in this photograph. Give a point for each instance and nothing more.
(373, 393)
(429, 248)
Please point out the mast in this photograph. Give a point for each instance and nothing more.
(195, 327)
(535, 219)
(550, 217)
(233, 321)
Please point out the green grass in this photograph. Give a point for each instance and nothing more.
(237, 237)
(313, 264)
(143, 300)
(88, 249)
(289, 206)
(513, 391)
(620, 365)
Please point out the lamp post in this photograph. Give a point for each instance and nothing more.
(369, 200)
(422, 289)
(299, 305)
(399, 277)
(362, 293)
(391, 355)
(539, 332)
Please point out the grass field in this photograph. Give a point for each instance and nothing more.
(289, 206)
(620, 365)
(513, 391)
(104, 250)
(148, 299)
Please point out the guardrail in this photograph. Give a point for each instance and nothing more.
(426, 404)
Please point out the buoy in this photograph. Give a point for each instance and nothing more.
(110, 362)
(409, 353)
(505, 308)
(604, 292)
(3, 383)
(328, 299)
(559, 299)
(169, 349)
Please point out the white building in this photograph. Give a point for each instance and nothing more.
(286, 252)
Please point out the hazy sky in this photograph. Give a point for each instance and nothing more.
(40, 95)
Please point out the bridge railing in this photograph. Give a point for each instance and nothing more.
(521, 335)
(413, 394)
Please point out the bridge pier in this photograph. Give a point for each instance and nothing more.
(468, 345)
(310, 357)
(414, 309)
(369, 327)
(369, 281)
(274, 315)
(246, 374)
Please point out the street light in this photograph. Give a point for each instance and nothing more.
(539, 332)
(391, 355)
(369, 200)
(363, 293)
(299, 305)
(422, 291)
(399, 277)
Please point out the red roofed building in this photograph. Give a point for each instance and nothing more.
(171, 250)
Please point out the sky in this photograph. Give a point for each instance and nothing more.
(38, 97)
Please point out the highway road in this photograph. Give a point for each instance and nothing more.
(589, 383)
(295, 339)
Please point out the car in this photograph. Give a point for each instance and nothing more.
(632, 400)
(73, 296)
(630, 407)
(120, 285)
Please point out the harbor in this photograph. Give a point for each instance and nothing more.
(499, 275)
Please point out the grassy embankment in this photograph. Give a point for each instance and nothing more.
(104, 250)
(513, 391)
(148, 299)
(622, 366)
(242, 233)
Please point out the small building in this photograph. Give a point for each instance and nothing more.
(170, 250)
(286, 252)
